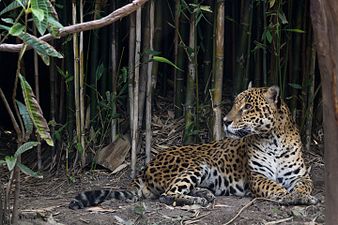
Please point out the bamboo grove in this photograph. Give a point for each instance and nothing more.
(195, 54)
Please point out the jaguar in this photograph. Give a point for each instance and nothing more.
(259, 156)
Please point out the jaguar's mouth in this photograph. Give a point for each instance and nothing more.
(236, 134)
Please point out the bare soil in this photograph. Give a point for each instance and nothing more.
(46, 202)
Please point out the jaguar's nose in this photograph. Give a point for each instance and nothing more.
(226, 121)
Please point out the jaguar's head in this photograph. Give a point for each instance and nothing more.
(254, 112)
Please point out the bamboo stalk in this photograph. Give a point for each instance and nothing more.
(243, 46)
(311, 96)
(143, 64)
(76, 79)
(149, 84)
(264, 59)
(191, 79)
(208, 41)
(157, 39)
(82, 90)
(52, 85)
(131, 66)
(94, 59)
(37, 95)
(136, 91)
(181, 35)
(114, 58)
(218, 71)
(294, 76)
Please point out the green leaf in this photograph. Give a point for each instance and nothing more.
(3, 27)
(25, 147)
(40, 15)
(139, 210)
(206, 8)
(151, 52)
(10, 161)
(295, 30)
(54, 26)
(79, 148)
(35, 111)
(14, 5)
(268, 36)
(271, 3)
(45, 58)
(28, 171)
(164, 60)
(40, 46)
(16, 29)
(99, 71)
(22, 3)
(124, 74)
(25, 116)
(282, 17)
(8, 20)
(294, 85)
(2, 162)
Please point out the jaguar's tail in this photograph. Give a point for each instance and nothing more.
(92, 198)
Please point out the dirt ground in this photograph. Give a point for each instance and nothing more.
(46, 202)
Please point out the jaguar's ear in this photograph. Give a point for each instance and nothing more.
(272, 95)
(250, 85)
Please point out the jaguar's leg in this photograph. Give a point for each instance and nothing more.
(264, 187)
(301, 193)
(179, 191)
(203, 193)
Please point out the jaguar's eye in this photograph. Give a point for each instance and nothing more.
(247, 106)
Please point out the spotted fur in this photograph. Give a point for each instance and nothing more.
(260, 155)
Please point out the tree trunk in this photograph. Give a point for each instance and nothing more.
(324, 16)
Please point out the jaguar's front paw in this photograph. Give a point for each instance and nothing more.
(295, 198)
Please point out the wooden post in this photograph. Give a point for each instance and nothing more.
(324, 15)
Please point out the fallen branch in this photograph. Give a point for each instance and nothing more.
(278, 221)
(90, 25)
(246, 206)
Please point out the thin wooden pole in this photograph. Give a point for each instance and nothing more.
(218, 71)
(37, 94)
(82, 90)
(136, 91)
(114, 55)
(76, 77)
(149, 84)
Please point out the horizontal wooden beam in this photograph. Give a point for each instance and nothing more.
(90, 25)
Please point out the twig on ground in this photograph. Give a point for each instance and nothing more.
(279, 221)
(246, 206)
